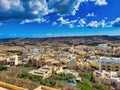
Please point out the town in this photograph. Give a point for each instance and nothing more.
(60, 66)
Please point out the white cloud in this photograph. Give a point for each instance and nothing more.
(33, 10)
(90, 14)
(64, 7)
(73, 21)
(13, 5)
(96, 24)
(23, 8)
(36, 8)
(71, 26)
(63, 21)
(77, 5)
(54, 23)
(99, 2)
(39, 20)
(102, 23)
(93, 24)
(82, 23)
(115, 23)
(66, 22)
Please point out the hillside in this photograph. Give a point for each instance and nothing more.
(78, 40)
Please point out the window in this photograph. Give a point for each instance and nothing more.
(116, 68)
(108, 68)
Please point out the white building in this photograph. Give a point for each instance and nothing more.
(108, 78)
(71, 57)
(104, 46)
(44, 72)
(13, 60)
(67, 71)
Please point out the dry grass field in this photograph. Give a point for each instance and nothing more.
(10, 76)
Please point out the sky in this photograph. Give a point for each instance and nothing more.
(54, 18)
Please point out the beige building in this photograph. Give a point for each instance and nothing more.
(13, 60)
(65, 70)
(106, 63)
(107, 78)
(44, 72)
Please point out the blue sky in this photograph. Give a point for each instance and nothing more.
(51, 18)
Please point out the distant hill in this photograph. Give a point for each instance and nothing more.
(73, 40)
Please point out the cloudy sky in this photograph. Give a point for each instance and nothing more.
(51, 18)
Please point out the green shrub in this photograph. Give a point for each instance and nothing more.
(2, 67)
(98, 86)
(84, 75)
(38, 79)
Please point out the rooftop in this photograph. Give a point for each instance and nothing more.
(110, 60)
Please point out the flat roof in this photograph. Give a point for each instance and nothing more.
(108, 60)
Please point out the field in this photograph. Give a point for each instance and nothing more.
(10, 76)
